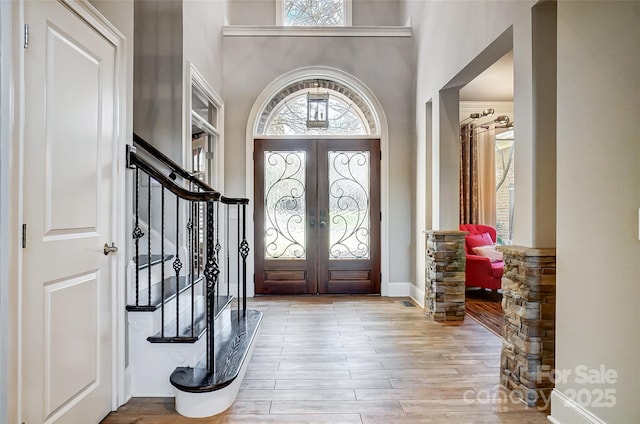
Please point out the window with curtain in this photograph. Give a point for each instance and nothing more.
(487, 178)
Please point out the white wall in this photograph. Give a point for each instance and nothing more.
(454, 42)
(598, 274)
(158, 75)
(376, 12)
(450, 39)
(202, 38)
(252, 12)
(383, 64)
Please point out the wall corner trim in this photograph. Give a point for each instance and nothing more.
(565, 410)
(417, 294)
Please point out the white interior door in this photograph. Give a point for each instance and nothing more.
(70, 105)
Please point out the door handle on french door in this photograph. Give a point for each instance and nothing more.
(312, 223)
(323, 224)
(110, 249)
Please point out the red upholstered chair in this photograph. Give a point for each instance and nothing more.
(480, 271)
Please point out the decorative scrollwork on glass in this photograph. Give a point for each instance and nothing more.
(284, 205)
(349, 205)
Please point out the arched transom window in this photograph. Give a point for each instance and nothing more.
(291, 111)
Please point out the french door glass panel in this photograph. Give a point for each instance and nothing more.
(349, 208)
(284, 205)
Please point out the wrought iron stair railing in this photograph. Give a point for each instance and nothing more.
(180, 220)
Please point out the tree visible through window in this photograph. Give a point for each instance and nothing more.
(290, 117)
(314, 12)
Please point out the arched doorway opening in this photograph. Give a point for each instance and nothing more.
(318, 179)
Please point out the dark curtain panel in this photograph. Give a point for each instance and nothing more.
(468, 175)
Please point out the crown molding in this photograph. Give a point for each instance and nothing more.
(287, 31)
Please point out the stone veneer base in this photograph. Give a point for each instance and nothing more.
(444, 282)
(528, 302)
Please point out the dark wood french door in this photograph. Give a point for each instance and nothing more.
(317, 216)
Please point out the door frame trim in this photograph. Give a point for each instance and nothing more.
(358, 86)
(12, 117)
(194, 77)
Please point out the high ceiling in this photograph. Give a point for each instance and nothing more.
(494, 84)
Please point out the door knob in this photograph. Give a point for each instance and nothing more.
(312, 223)
(323, 224)
(110, 249)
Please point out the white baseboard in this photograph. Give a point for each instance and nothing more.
(417, 294)
(565, 410)
(397, 289)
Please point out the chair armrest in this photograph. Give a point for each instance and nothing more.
(479, 263)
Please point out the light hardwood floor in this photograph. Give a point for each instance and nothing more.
(359, 359)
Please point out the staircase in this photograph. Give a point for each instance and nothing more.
(190, 334)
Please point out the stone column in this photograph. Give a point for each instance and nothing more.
(444, 283)
(529, 305)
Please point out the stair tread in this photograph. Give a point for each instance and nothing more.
(229, 360)
(144, 262)
(186, 336)
(184, 282)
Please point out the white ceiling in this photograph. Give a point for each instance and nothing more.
(494, 84)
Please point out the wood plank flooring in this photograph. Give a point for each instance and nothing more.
(359, 359)
(485, 307)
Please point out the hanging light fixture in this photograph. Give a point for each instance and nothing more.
(317, 108)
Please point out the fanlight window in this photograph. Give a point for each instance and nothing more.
(314, 12)
(289, 117)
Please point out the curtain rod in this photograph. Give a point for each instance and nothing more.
(486, 112)
(501, 120)
(510, 125)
